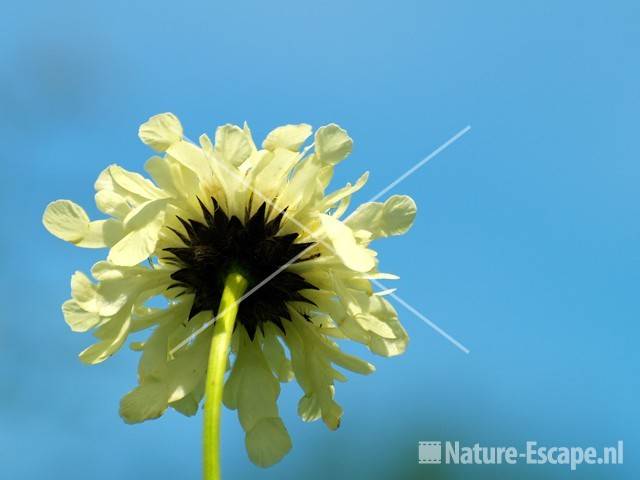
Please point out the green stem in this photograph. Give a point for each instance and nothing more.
(234, 286)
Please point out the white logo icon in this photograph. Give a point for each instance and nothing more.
(429, 452)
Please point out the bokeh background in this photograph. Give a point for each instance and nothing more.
(526, 247)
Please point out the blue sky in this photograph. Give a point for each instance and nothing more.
(525, 248)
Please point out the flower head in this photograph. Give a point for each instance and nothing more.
(214, 207)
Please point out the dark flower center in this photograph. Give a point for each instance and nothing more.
(221, 244)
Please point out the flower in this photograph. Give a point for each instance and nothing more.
(213, 207)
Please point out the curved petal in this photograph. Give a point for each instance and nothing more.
(271, 172)
(112, 335)
(133, 186)
(145, 402)
(247, 132)
(77, 318)
(143, 228)
(69, 222)
(189, 404)
(254, 391)
(161, 131)
(314, 374)
(393, 217)
(344, 192)
(84, 292)
(353, 255)
(276, 357)
(332, 144)
(290, 137)
(372, 320)
(173, 176)
(232, 145)
(394, 344)
(66, 220)
(267, 442)
(102, 233)
(111, 203)
(191, 157)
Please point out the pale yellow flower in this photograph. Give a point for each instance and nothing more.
(226, 204)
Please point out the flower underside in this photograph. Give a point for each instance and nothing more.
(222, 244)
(198, 220)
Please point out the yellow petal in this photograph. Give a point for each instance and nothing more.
(69, 221)
(345, 360)
(396, 343)
(268, 442)
(272, 170)
(77, 318)
(247, 132)
(172, 175)
(112, 335)
(111, 203)
(314, 374)
(332, 144)
(66, 220)
(192, 157)
(290, 137)
(309, 408)
(145, 402)
(259, 389)
(276, 357)
(393, 217)
(161, 131)
(344, 192)
(134, 186)
(143, 226)
(84, 292)
(187, 405)
(353, 255)
(232, 145)
(102, 233)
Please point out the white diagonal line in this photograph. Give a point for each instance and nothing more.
(420, 164)
(425, 319)
(321, 241)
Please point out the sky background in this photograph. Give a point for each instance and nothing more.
(525, 247)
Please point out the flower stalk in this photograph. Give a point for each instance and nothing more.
(234, 288)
